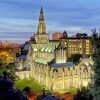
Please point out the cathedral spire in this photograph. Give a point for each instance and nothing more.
(41, 14)
(41, 25)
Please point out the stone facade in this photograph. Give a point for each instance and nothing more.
(46, 62)
(60, 78)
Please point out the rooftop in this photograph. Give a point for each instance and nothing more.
(45, 48)
(26, 47)
(42, 60)
(87, 61)
(67, 64)
(23, 57)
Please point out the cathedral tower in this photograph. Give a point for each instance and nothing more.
(60, 54)
(41, 36)
(41, 25)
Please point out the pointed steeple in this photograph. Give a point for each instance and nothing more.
(41, 25)
(41, 37)
(41, 14)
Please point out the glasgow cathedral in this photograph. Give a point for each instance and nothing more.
(47, 62)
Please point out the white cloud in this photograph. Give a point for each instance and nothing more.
(55, 26)
(17, 25)
(14, 40)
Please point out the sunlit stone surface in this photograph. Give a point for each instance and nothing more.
(46, 62)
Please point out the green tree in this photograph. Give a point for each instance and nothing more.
(6, 63)
(75, 58)
(2, 68)
(11, 70)
(96, 67)
(6, 58)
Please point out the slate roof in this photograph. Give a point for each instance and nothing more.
(23, 57)
(67, 64)
(26, 47)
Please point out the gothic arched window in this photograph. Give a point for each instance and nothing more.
(85, 73)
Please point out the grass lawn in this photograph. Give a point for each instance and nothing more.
(35, 87)
(72, 91)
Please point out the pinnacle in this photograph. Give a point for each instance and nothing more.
(41, 14)
(41, 11)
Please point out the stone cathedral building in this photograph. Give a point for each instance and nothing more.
(46, 62)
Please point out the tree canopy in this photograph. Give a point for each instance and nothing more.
(75, 58)
(96, 67)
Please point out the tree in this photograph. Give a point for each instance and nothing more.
(96, 67)
(7, 63)
(6, 58)
(11, 70)
(75, 58)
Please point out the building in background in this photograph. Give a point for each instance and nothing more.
(77, 45)
(10, 47)
(57, 35)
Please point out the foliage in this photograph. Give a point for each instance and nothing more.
(2, 68)
(6, 58)
(10, 68)
(84, 90)
(72, 91)
(83, 94)
(96, 67)
(75, 58)
(21, 84)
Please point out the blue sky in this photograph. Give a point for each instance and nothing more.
(19, 18)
